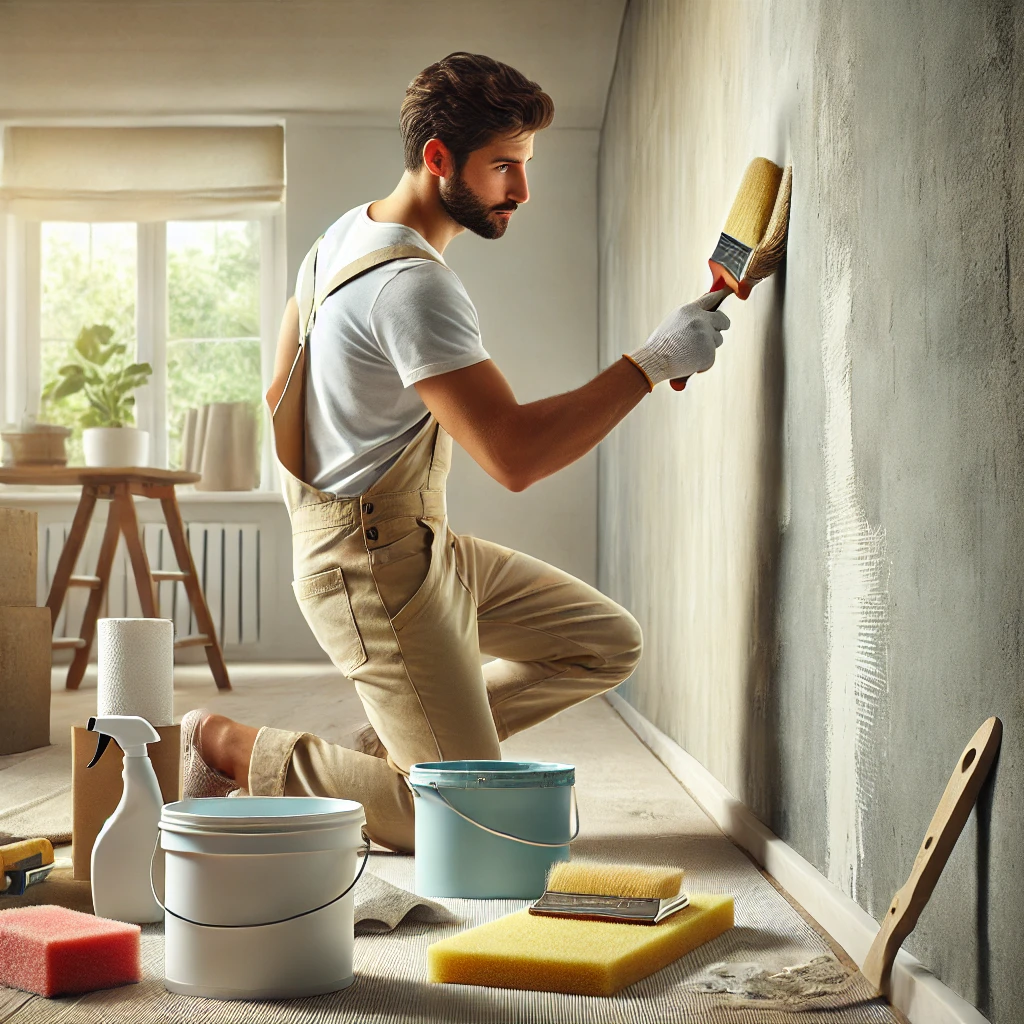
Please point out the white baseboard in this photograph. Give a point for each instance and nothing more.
(916, 992)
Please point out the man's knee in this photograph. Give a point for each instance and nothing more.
(628, 647)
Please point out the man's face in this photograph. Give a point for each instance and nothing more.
(483, 196)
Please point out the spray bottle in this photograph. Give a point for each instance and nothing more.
(123, 853)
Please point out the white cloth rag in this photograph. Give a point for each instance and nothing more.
(381, 906)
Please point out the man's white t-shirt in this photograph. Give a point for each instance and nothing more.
(372, 340)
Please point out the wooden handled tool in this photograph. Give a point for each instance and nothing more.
(946, 825)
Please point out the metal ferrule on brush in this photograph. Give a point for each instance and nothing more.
(733, 255)
(627, 909)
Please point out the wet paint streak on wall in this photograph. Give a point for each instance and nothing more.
(857, 604)
(856, 615)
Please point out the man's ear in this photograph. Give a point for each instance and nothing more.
(438, 159)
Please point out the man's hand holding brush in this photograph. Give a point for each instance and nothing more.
(751, 248)
(684, 342)
(519, 444)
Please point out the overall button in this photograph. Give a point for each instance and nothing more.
(368, 508)
(371, 533)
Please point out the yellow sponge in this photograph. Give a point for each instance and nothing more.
(587, 958)
(592, 878)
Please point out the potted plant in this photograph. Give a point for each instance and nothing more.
(108, 438)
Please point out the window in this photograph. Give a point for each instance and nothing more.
(87, 276)
(213, 319)
(194, 298)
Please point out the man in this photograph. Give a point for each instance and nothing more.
(380, 365)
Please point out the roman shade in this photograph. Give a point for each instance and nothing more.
(142, 174)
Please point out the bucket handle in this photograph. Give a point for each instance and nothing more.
(260, 924)
(506, 835)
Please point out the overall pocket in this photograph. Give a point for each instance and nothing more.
(401, 569)
(323, 600)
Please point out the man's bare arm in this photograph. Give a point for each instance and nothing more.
(521, 444)
(287, 344)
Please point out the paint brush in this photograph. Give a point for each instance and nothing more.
(769, 253)
(753, 243)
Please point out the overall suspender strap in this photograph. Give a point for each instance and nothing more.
(288, 411)
(304, 290)
(310, 297)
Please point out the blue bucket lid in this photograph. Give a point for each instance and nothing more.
(492, 774)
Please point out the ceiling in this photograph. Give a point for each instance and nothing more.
(349, 58)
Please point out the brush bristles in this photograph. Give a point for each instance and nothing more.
(769, 253)
(752, 207)
(588, 878)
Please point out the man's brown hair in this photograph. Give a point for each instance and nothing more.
(466, 100)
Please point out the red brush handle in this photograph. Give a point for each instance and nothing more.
(679, 383)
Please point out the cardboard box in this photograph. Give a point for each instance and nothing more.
(19, 556)
(25, 655)
(96, 791)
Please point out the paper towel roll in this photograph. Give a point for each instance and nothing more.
(136, 669)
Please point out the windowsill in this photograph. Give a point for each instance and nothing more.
(69, 496)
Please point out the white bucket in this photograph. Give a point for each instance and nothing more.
(251, 893)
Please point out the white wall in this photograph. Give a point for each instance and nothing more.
(535, 291)
(65, 58)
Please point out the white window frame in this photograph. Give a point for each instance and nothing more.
(20, 245)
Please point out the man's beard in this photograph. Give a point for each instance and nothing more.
(464, 207)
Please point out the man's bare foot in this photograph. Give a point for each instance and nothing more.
(198, 779)
(227, 747)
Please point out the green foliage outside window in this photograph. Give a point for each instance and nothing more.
(88, 277)
(213, 313)
(213, 320)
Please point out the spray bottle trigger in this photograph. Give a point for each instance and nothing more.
(100, 747)
(102, 741)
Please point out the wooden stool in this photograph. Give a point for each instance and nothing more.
(119, 486)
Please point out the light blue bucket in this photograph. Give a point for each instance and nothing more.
(490, 830)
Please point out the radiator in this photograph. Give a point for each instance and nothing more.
(227, 560)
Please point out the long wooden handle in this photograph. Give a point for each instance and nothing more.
(678, 383)
(946, 825)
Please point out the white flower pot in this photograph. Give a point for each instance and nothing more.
(115, 446)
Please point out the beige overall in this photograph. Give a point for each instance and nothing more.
(405, 608)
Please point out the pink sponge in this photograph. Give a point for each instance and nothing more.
(52, 950)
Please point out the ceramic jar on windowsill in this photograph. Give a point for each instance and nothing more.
(115, 446)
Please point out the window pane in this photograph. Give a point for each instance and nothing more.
(213, 320)
(213, 279)
(87, 276)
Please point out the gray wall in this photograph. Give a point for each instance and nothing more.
(823, 536)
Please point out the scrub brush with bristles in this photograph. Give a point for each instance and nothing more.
(592, 878)
(612, 892)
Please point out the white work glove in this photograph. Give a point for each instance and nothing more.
(684, 342)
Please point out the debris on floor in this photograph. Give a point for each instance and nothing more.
(822, 976)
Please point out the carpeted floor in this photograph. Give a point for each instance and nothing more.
(632, 809)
